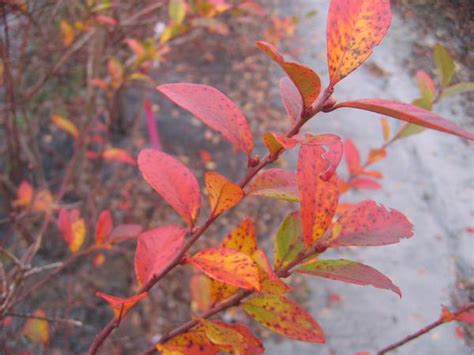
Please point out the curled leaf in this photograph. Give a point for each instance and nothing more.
(121, 306)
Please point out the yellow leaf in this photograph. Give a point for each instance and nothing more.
(66, 125)
(37, 330)
(115, 70)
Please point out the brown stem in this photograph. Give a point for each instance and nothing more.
(268, 159)
(426, 329)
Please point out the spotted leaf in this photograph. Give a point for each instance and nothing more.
(121, 306)
(214, 109)
(304, 78)
(288, 241)
(229, 266)
(370, 224)
(354, 28)
(319, 198)
(173, 181)
(271, 283)
(279, 184)
(156, 249)
(193, 342)
(349, 271)
(283, 317)
(409, 113)
(223, 194)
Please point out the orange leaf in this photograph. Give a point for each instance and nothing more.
(271, 283)
(386, 130)
(66, 125)
(364, 183)
(24, 194)
(354, 28)
(118, 154)
(116, 72)
(156, 249)
(200, 287)
(173, 181)
(67, 33)
(136, 47)
(229, 266)
(223, 194)
(103, 227)
(283, 317)
(242, 239)
(37, 330)
(304, 78)
(214, 109)
(193, 342)
(376, 155)
(318, 198)
(121, 306)
(370, 224)
(73, 228)
(43, 201)
(409, 113)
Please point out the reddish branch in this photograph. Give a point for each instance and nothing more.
(442, 319)
(114, 323)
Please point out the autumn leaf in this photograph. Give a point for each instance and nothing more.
(349, 271)
(117, 154)
(116, 72)
(242, 239)
(229, 266)
(426, 85)
(214, 109)
(177, 11)
(72, 228)
(156, 249)
(121, 306)
(283, 317)
(288, 241)
(173, 181)
(459, 88)
(193, 342)
(67, 33)
(66, 125)
(235, 338)
(304, 78)
(318, 198)
(43, 201)
(365, 183)
(291, 99)
(124, 232)
(24, 194)
(370, 224)
(276, 183)
(332, 154)
(352, 157)
(136, 47)
(408, 113)
(223, 194)
(376, 155)
(103, 227)
(386, 130)
(277, 143)
(271, 283)
(354, 28)
(37, 330)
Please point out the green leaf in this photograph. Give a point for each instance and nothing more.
(409, 129)
(177, 11)
(459, 88)
(284, 317)
(288, 241)
(444, 64)
(349, 271)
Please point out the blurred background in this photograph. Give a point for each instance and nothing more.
(78, 104)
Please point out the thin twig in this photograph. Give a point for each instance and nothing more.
(48, 319)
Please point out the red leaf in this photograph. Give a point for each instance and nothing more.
(318, 198)
(124, 232)
(103, 227)
(156, 249)
(349, 271)
(408, 113)
(352, 157)
(173, 181)
(333, 153)
(291, 99)
(354, 28)
(466, 317)
(214, 109)
(151, 124)
(275, 183)
(370, 224)
(121, 306)
(229, 266)
(305, 79)
(364, 183)
(72, 228)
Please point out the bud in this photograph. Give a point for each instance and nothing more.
(328, 104)
(254, 161)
